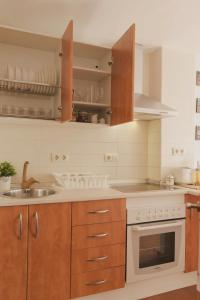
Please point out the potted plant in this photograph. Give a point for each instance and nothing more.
(6, 171)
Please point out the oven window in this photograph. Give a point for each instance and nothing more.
(156, 249)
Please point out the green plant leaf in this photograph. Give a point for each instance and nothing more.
(7, 169)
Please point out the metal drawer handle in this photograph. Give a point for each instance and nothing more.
(20, 226)
(98, 211)
(36, 224)
(95, 283)
(100, 258)
(98, 235)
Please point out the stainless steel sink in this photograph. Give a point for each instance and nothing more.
(29, 193)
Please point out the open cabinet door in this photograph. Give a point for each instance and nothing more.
(67, 73)
(122, 82)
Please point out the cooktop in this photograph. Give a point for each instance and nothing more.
(142, 187)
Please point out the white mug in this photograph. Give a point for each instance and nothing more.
(94, 118)
(102, 121)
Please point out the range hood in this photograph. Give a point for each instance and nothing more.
(145, 107)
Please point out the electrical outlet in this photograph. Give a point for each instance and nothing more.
(111, 157)
(177, 151)
(54, 157)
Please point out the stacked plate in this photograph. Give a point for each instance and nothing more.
(20, 79)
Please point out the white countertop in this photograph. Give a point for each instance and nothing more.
(179, 191)
(63, 195)
(76, 195)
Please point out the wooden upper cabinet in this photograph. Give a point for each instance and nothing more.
(67, 74)
(122, 81)
(49, 252)
(191, 235)
(13, 252)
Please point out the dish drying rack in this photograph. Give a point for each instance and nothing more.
(34, 88)
(81, 181)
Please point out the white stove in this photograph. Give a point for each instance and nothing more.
(155, 234)
(154, 212)
(142, 187)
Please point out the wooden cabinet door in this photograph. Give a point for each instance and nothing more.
(67, 74)
(94, 282)
(93, 212)
(191, 235)
(122, 82)
(13, 252)
(97, 235)
(49, 252)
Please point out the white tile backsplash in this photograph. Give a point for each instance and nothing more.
(85, 144)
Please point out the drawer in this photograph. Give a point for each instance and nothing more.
(96, 235)
(91, 259)
(100, 211)
(97, 281)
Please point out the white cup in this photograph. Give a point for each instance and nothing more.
(94, 118)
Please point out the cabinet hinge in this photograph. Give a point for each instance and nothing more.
(109, 112)
(111, 61)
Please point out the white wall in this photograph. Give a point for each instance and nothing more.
(154, 150)
(170, 78)
(178, 91)
(197, 116)
(84, 143)
(144, 148)
(152, 87)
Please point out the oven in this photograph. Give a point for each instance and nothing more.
(155, 247)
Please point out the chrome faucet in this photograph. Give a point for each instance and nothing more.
(27, 183)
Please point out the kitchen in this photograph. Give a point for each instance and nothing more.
(120, 155)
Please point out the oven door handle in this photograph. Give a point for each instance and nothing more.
(142, 228)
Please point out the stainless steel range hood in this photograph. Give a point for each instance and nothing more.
(145, 107)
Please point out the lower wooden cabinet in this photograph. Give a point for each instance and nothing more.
(35, 246)
(98, 258)
(98, 246)
(94, 235)
(96, 282)
(191, 235)
(37, 242)
(49, 252)
(13, 252)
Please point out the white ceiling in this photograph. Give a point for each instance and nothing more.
(174, 23)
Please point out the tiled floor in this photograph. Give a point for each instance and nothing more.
(189, 293)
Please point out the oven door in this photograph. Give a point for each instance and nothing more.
(155, 249)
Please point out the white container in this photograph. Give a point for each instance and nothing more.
(5, 183)
(170, 180)
(81, 181)
(94, 119)
(184, 175)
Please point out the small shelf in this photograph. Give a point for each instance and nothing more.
(90, 104)
(25, 87)
(89, 74)
(26, 117)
